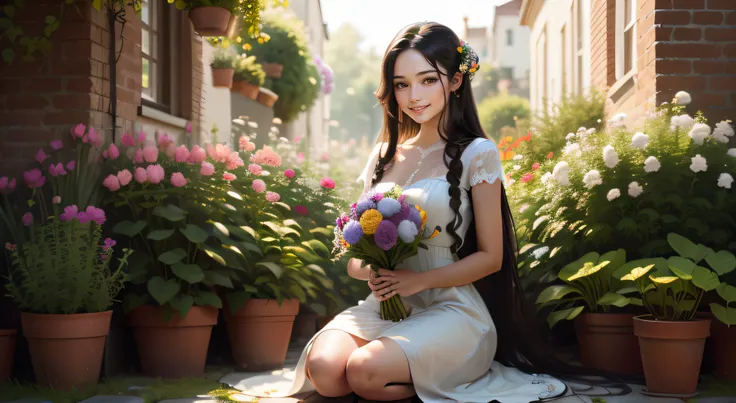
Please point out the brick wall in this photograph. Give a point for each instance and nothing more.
(687, 45)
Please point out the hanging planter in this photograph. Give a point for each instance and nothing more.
(212, 20)
(607, 342)
(7, 352)
(260, 331)
(249, 76)
(246, 89)
(222, 77)
(273, 70)
(267, 97)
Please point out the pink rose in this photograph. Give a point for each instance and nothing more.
(57, 145)
(178, 179)
(11, 246)
(94, 138)
(188, 127)
(164, 141)
(140, 175)
(250, 147)
(138, 159)
(128, 140)
(255, 169)
(150, 154)
(197, 155)
(289, 173)
(207, 169)
(57, 169)
(56, 199)
(181, 154)
(27, 219)
(92, 214)
(327, 183)
(273, 197)
(71, 164)
(70, 213)
(155, 173)
(141, 137)
(300, 158)
(112, 183)
(297, 139)
(228, 176)
(113, 151)
(125, 177)
(11, 184)
(535, 166)
(78, 131)
(34, 178)
(259, 186)
(301, 210)
(41, 156)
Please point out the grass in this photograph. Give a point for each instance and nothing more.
(151, 390)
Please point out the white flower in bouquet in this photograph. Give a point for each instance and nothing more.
(592, 178)
(573, 150)
(610, 157)
(699, 133)
(639, 140)
(732, 152)
(652, 164)
(561, 173)
(723, 131)
(570, 136)
(682, 98)
(684, 122)
(699, 164)
(539, 252)
(635, 189)
(613, 194)
(725, 180)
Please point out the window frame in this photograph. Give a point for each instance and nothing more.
(509, 37)
(620, 38)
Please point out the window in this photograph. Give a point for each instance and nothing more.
(510, 37)
(579, 45)
(165, 47)
(563, 40)
(625, 37)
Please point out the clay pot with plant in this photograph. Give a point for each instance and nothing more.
(671, 336)
(594, 299)
(172, 217)
(249, 76)
(223, 69)
(64, 276)
(212, 17)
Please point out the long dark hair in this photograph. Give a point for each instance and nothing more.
(520, 340)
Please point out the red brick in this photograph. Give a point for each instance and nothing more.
(680, 4)
(687, 50)
(42, 85)
(74, 66)
(72, 101)
(83, 85)
(731, 18)
(664, 34)
(720, 34)
(714, 99)
(19, 102)
(680, 82)
(709, 67)
(9, 86)
(66, 118)
(707, 17)
(27, 135)
(729, 50)
(687, 34)
(671, 17)
(73, 30)
(21, 118)
(721, 5)
(673, 67)
(722, 83)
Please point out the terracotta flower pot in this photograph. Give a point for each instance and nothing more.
(273, 70)
(249, 90)
(266, 97)
(173, 349)
(222, 77)
(607, 342)
(66, 350)
(260, 331)
(671, 353)
(7, 353)
(211, 20)
(723, 339)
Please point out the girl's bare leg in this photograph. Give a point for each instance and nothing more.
(328, 359)
(380, 371)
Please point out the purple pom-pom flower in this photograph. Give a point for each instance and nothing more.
(388, 207)
(364, 206)
(402, 214)
(415, 217)
(352, 233)
(386, 235)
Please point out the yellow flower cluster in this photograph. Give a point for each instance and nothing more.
(422, 214)
(369, 221)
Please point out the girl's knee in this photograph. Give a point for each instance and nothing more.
(328, 376)
(362, 372)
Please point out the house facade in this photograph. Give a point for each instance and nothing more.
(641, 52)
(509, 51)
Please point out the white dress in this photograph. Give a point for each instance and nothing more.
(449, 338)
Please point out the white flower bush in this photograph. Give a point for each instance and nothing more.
(639, 140)
(699, 133)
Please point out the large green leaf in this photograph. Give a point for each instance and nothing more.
(217, 278)
(191, 273)
(160, 234)
(163, 290)
(251, 247)
(565, 314)
(705, 279)
(614, 299)
(128, 228)
(170, 212)
(208, 298)
(194, 233)
(681, 267)
(574, 268)
(214, 255)
(236, 299)
(727, 292)
(722, 262)
(303, 254)
(292, 223)
(182, 303)
(316, 269)
(555, 293)
(172, 256)
(626, 268)
(724, 314)
(686, 248)
(317, 247)
(276, 269)
(321, 231)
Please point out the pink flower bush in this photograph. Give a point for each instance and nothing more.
(207, 169)
(141, 176)
(150, 154)
(141, 138)
(301, 210)
(197, 155)
(70, 213)
(27, 219)
(128, 140)
(56, 170)
(112, 183)
(289, 173)
(229, 177)
(255, 169)
(113, 152)
(273, 197)
(57, 145)
(327, 183)
(93, 138)
(259, 186)
(92, 214)
(267, 156)
(138, 157)
(527, 177)
(535, 166)
(41, 156)
(182, 154)
(222, 153)
(78, 131)
(178, 179)
(71, 165)
(155, 173)
(125, 177)
(164, 141)
(34, 178)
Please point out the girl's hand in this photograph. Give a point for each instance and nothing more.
(393, 282)
(379, 285)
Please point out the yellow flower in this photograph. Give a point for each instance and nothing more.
(369, 221)
(260, 41)
(247, 46)
(473, 70)
(422, 214)
(459, 49)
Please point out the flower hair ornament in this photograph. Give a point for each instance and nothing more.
(468, 59)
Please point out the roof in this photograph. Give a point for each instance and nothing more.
(529, 11)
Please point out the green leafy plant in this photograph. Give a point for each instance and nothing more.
(498, 112)
(299, 85)
(672, 289)
(589, 286)
(223, 60)
(248, 12)
(246, 69)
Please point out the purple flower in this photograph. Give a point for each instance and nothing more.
(109, 243)
(401, 198)
(386, 235)
(402, 215)
(34, 178)
(377, 197)
(41, 156)
(70, 213)
(338, 223)
(415, 217)
(27, 219)
(92, 214)
(56, 170)
(388, 207)
(57, 144)
(352, 233)
(71, 164)
(364, 206)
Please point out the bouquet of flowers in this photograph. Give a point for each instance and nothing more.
(383, 230)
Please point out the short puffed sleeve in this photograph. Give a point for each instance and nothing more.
(484, 163)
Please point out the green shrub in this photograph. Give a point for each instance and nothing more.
(498, 112)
